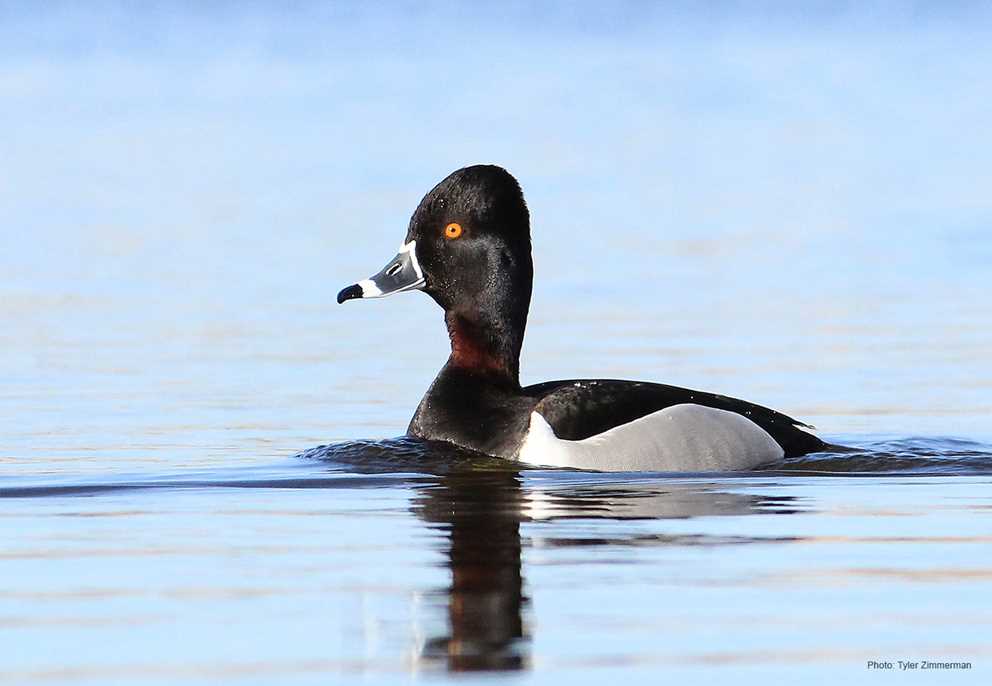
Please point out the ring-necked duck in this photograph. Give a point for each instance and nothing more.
(468, 247)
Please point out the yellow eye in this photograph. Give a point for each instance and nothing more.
(452, 230)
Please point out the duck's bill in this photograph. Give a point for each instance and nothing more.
(403, 273)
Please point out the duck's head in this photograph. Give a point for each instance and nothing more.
(468, 247)
(468, 238)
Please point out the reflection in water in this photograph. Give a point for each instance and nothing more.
(481, 513)
(657, 498)
(490, 512)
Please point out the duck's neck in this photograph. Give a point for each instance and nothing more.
(487, 342)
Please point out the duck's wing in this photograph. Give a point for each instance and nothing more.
(580, 408)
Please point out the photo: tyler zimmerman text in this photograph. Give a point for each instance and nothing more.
(915, 665)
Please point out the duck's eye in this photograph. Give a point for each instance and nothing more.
(452, 230)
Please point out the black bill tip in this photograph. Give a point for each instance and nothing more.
(350, 293)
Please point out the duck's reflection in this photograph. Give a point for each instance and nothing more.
(485, 599)
(481, 513)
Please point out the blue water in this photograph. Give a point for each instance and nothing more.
(788, 206)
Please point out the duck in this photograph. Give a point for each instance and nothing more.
(468, 246)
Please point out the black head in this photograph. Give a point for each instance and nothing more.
(473, 238)
(468, 247)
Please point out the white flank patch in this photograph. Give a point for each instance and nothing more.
(681, 438)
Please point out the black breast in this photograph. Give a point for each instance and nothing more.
(474, 411)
